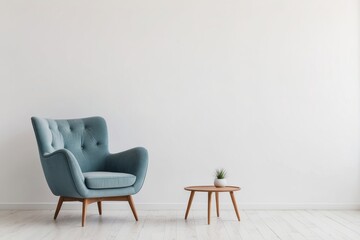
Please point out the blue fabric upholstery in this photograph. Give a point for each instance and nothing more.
(70, 148)
(101, 180)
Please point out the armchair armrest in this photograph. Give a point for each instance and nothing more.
(63, 174)
(133, 161)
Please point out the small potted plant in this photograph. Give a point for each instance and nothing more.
(220, 178)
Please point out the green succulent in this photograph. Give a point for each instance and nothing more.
(220, 173)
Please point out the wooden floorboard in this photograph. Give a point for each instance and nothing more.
(170, 225)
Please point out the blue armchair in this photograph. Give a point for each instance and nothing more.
(78, 166)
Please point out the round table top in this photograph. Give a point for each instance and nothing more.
(212, 188)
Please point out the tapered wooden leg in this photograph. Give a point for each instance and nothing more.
(99, 207)
(217, 204)
(60, 202)
(235, 205)
(84, 206)
(209, 206)
(189, 204)
(132, 206)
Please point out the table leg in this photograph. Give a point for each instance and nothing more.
(209, 207)
(217, 204)
(189, 204)
(235, 205)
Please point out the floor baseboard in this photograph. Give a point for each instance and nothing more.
(182, 206)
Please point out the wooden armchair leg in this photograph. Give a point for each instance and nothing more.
(60, 202)
(99, 207)
(84, 206)
(132, 206)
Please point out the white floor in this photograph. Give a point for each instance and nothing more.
(255, 224)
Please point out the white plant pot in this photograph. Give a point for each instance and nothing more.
(220, 182)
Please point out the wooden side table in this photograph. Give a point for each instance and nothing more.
(210, 190)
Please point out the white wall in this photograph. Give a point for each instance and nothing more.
(267, 89)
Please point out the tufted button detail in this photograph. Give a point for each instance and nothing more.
(98, 143)
(82, 146)
(70, 128)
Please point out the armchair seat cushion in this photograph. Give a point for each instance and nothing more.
(103, 180)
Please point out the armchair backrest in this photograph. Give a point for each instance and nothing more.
(85, 138)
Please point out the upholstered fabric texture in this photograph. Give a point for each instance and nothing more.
(76, 161)
(101, 180)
